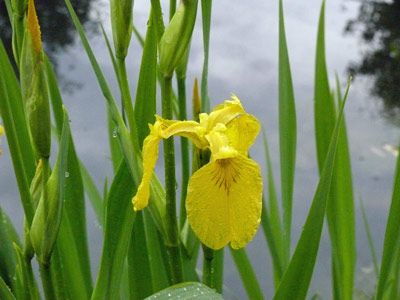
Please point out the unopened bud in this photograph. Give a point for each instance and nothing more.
(47, 219)
(34, 85)
(176, 37)
(122, 25)
(196, 101)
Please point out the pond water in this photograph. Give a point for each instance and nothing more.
(244, 61)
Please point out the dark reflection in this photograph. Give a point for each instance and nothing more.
(378, 25)
(56, 26)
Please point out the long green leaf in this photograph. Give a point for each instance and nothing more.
(247, 274)
(117, 233)
(129, 143)
(11, 122)
(157, 18)
(186, 291)
(340, 210)
(93, 194)
(287, 133)
(8, 259)
(206, 6)
(271, 222)
(140, 279)
(116, 154)
(145, 103)
(74, 190)
(5, 292)
(370, 240)
(391, 245)
(18, 114)
(29, 288)
(159, 272)
(297, 278)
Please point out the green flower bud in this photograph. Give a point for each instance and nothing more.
(122, 25)
(47, 219)
(34, 85)
(182, 65)
(176, 37)
(36, 192)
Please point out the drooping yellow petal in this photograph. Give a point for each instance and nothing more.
(224, 202)
(222, 113)
(242, 132)
(189, 129)
(150, 155)
(163, 129)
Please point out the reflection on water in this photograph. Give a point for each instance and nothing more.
(56, 26)
(378, 25)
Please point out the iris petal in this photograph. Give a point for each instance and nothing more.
(223, 113)
(224, 202)
(150, 155)
(242, 132)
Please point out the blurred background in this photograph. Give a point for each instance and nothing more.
(362, 40)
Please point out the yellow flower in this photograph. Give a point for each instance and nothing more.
(1, 133)
(224, 197)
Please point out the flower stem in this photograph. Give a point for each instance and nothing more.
(184, 151)
(47, 282)
(208, 266)
(170, 187)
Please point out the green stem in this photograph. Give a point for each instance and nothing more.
(184, 151)
(33, 290)
(208, 270)
(47, 282)
(170, 186)
(126, 97)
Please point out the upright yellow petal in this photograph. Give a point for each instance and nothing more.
(223, 113)
(242, 132)
(150, 155)
(224, 202)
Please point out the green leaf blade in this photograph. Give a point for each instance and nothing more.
(186, 291)
(287, 133)
(297, 278)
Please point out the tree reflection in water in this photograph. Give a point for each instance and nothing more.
(378, 24)
(56, 26)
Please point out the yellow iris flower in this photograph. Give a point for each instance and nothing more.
(224, 197)
(1, 133)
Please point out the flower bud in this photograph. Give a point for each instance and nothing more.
(36, 193)
(47, 219)
(34, 85)
(122, 25)
(176, 37)
(181, 68)
(196, 101)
